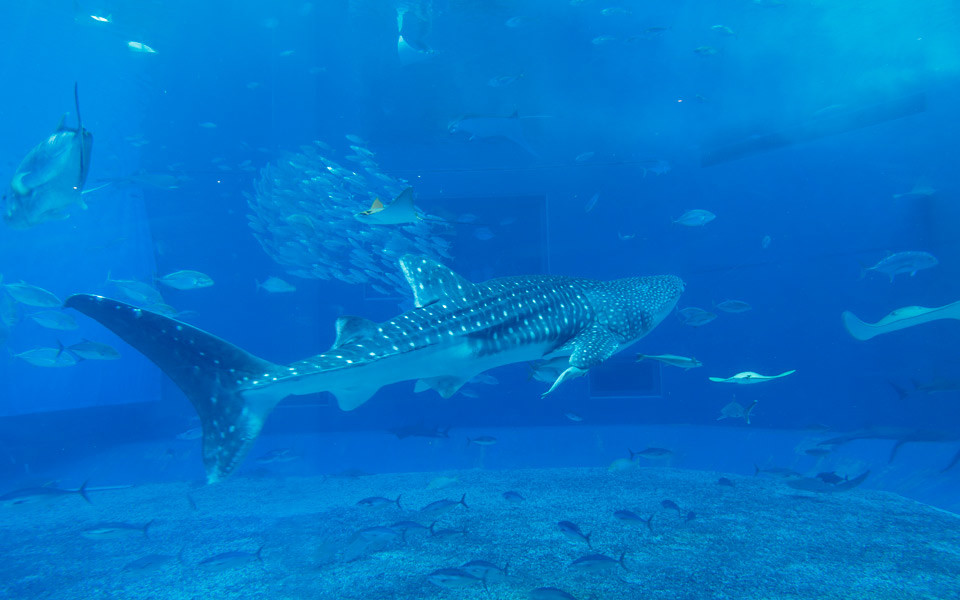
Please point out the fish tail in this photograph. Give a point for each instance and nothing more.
(649, 522)
(83, 492)
(632, 453)
(212, 373)
(397, 501)
(430, 529)
(756, 470)
(587, 537)
(463, 501)
(259, 553)
(146, 528)
(623, 564)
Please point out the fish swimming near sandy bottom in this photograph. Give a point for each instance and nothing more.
(900, 318)
(50, 178)
(457, 330)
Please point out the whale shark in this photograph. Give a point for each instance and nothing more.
(456, 330)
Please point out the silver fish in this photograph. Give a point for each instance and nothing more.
(50, 179)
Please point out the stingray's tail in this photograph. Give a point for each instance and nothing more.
(211, 372)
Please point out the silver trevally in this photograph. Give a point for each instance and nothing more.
(186, 280)
(512, 319)
(230, 560)
(93, 351)
(734, 306)
(54, 319)
(31, 295)
(47, 357)
(695, 317)
(747, 377)
(672, 359)
(900, 318)
(50, 178)
(41, 495)
(137, 291)
(115, 531)
(275, 285)
(904, 262)
(695, 218)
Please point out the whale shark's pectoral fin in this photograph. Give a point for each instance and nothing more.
(220, 379)
(588, 349)
(446, 386)
(431, 281)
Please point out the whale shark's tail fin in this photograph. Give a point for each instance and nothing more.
(211, 372)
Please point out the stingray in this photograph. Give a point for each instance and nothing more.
(748, 377)
(50, 178)
(900, 318)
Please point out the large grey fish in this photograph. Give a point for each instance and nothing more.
(50, 178)
(903, 262)
(457, 330)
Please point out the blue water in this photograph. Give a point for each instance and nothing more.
(820, 118)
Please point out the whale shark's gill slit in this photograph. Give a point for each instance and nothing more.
(211, 372)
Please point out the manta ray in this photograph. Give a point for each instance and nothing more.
(900, 318)
(51, 177)
(457, 330)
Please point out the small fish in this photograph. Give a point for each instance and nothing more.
(439, 507)
(278, 455)
(813, 484)
(275, 285)
(194, 433)
(573, 417)
(485, 570)
(904, 262)
(41, 496)
(442, 534)
(631, 518)
(379, 534)
(483, 440)
(591, 203)
(695, 218)
(723, 29)
(671, 359)
(378, 502)
(514, 497)
(140, 47)
(602, 39)
(137, 291)
(734, 306)
(484, 234)
(230, 560)
(47, 357)
(503, 80)
(31, 295)
(651, 453)
(765, 242)
(405, 527)
(514, 22)
(749, 377)
(100, 19)
(584, 157)
(148, 563)
(356, 139)
(438, 483)
(572, 532)
(671, 505)
(453, 579)
(781, 472)
(549, 593)
(723, 481)
(186, 280)
(695, 317)
(705, 50)
(52, 319)
(595, 563)
(689, 516)
(88, 350)
(207, 125)
(115, 531)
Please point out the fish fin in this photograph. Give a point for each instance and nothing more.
(17, 185)
(211, 372)
(62, 124)
(83, 162)
(351, 329)
(350, 398)
(445, 385)
(592, 346)
(83, 492)
(569, 373)
(857, 328)
(377, 206)
(431, 281)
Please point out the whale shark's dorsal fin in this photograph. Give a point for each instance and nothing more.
(351, 329)
(211, 372)
(432, 281)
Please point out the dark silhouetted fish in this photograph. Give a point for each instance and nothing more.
(812, 484)
(458, 330)
(572, 532)
(41, 495)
